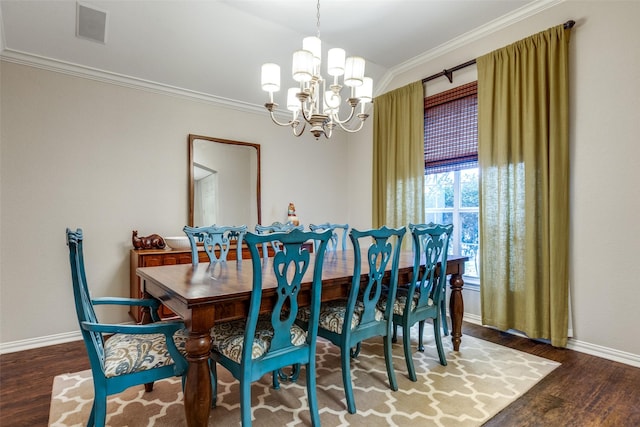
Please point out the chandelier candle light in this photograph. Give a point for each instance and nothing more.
(311, 102)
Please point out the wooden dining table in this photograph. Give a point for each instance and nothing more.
(214, 292)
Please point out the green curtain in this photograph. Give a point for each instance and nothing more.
(523, 154)
(398, 157)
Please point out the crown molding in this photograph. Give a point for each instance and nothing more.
(497, 24)
(44, 63)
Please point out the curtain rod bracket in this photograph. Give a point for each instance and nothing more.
(448, 74)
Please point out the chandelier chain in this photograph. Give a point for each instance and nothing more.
(318, 19)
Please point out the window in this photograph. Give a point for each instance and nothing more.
(451, 168)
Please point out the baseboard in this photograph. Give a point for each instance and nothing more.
(604, 352)
(21, 345)
(577, 345)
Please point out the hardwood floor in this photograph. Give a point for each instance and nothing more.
(584, 391)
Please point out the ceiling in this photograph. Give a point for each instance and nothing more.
(215, 48)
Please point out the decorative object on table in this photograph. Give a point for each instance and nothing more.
(178, 242)
(152, 241)
(291, 214)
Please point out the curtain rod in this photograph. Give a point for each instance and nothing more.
(448, 73)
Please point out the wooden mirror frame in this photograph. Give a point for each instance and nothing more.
(192, 138)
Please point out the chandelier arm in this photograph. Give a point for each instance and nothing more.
(289, 123)
(348, 119)
(362, 119)
(304, 114)
(271, 107)
(304, 125)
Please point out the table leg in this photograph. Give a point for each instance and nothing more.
(456, 310)
(197, 389)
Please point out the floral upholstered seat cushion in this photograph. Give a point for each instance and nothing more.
(127, 353)
(400, 303)
(228, 338)
(332, 315)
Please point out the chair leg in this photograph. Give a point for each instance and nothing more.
(420, 335)
(345, 359)
(394, 339)
(92, 416)
(99, 411)
(408, 354)
(354, 352)
(312, 393)
(245, 402)
(276, 380)
(436, 332)
(214, 382)
(388, 359)
(148, 387)
(443, 311)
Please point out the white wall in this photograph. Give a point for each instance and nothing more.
(111, 159)
(605, 148)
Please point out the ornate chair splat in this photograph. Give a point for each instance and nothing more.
(216, 241)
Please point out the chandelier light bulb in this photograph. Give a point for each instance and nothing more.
(270, 77)
(354, 71)
(302, 66)
(313, 45)
(335, 61)
(365, 90)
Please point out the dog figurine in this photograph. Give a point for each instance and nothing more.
(153, 241)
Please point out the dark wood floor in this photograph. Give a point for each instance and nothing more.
(584, 391)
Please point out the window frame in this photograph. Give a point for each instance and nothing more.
(455, 165)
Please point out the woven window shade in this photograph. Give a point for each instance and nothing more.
(451, 130)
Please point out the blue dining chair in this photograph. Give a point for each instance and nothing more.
(276, 227)
(348, 322)
(425, 291)
(260, 344)
(333, 243)
(132, 354)
(215, 238)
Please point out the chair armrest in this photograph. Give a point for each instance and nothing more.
(167, 328)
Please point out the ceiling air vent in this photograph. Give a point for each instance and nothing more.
(91, 23)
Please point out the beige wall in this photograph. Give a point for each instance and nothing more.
(111, 159)
(605, 148)
(129, 150)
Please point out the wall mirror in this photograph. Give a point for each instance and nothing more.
(224, 182)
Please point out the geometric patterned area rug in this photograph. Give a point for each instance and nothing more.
(478, 381)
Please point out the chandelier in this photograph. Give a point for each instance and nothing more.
(311, 102)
